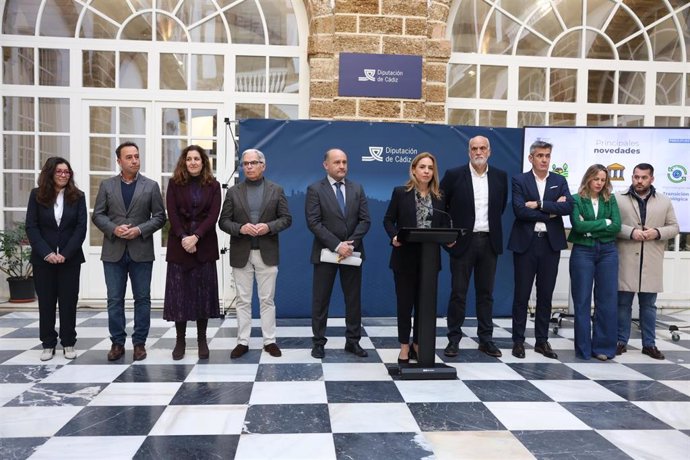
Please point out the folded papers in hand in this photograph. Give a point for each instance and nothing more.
(331, 257)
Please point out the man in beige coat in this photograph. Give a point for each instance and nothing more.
(647, 221)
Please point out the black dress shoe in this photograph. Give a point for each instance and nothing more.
(545, 349)
(490, 349)
(356, 350)
(238, 351)
(452, 349)
(519, 350)
(403, 360)
(317, 351)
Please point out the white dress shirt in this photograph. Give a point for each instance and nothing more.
(480, 185)
(541, 186)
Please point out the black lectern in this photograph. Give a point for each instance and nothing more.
(429, 239)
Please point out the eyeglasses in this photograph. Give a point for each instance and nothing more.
(253, 163)
(63, 172)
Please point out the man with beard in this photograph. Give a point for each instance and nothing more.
(647, 221)
(476, 196)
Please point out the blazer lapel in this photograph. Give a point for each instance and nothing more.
(330, 194)
(532, 189)
(268, 191)
(242, 196)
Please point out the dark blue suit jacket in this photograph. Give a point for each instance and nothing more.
(525, 189)
(45, 236)
(327, 222)
(457, 188)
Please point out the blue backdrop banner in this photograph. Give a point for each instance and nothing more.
(379, 156)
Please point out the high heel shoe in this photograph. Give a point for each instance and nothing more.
(403, 361)
(413, 354)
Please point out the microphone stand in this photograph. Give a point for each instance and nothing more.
(225, 185)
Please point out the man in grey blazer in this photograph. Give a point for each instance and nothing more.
(254, 212)
(338, 215)
(129, 210)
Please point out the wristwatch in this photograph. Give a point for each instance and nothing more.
(539, 204)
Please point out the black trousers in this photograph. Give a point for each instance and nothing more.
(540, 261)
(480, 259)
(322, 288)
(406, 292)
(57, 285)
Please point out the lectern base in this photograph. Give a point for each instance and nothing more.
(435, 372)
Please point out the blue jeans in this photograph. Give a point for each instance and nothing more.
(647, 302)
(597, 266)
(116, 283)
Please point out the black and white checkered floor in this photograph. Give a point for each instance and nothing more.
(297, 407)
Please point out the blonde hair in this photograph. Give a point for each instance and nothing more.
(591, 173)
(433, 184)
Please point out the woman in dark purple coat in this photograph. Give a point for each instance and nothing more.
(191, 285)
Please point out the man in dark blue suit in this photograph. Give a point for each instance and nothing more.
(337, 213)
(476, 196)
(540, 199)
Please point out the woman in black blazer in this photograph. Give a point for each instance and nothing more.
(56, 226)
(414, 204)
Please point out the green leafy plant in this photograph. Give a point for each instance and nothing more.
(15, 252)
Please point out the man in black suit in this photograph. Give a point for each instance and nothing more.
(338, 215)
(476, 196)
(540, 200)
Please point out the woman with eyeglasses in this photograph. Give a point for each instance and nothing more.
(191, 284)
(412, 205)
(56, 226)
(595, 222)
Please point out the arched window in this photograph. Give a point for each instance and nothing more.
(567, 62)
(81, 76)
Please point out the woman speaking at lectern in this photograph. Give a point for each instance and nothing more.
(417, 204)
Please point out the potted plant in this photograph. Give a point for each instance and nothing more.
(15, 254)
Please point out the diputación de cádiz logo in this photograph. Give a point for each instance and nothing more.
(369, 75)
(677, 174)
(375, 154)
(560, 170)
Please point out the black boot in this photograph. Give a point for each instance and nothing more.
(201, 325)
(181, 329)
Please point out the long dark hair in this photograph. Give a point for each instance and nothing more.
(181, 175)
(46, 183)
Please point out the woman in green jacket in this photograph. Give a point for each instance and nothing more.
(594, 262)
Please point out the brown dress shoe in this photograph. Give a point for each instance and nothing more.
(652, 352)
(273, 350)
(545, 349)
(238, 351)
(116, 352)
(139, 352)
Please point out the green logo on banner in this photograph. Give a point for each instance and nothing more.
(677, 174)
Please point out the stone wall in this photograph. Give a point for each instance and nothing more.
(415, 27)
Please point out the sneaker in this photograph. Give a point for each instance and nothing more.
(273, 350)
(652, 352)
(601, 357)
(620, 349)
(47, 354)
(69, 352)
